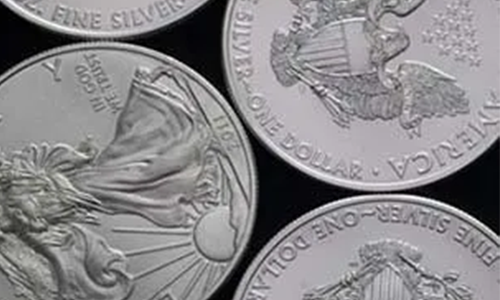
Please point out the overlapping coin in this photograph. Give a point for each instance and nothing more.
(104, 19)
(123, 175)
(368, 94)
(378, 247)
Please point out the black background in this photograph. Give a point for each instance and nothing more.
(284, 193)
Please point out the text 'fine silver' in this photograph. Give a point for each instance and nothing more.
(375, 248)
(104, 19)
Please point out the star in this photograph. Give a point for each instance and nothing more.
(457, 41)
(453, 25)
(444, 50)
(452, 9)
(475, 60)
(469, 31)
(441, 35)
(460, 56)
(464, 3)
(427, 37)
(439, 20)
(467, 15)
(472, 46)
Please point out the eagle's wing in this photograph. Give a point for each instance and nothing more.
(367, 96)
(430, 92)
(282, 49)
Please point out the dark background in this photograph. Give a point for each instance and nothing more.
(284, 193)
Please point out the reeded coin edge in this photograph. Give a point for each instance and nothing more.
(288, 230)
(232, 117)
(105, 35)
(266, 141)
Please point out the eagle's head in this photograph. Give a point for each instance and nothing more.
(401, 8)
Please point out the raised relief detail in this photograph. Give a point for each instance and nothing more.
(454, 33)
(340, 49)
(164, 164)
(46, 251)
(391, 269)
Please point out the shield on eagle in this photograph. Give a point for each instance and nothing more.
(390, 269)
(339, 48)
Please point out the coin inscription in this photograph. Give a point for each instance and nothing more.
(378, 247)
(355, 93)
(155, 204)
(92, 18)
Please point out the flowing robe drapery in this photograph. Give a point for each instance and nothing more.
(158, 158)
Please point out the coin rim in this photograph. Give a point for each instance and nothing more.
(94, 34)
(274, 148)
(346, 202)
(219, 98)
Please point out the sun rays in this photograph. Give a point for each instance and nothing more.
(161, 266)
(189, 271)
(148, 250)
(194, 280)
(161, 231)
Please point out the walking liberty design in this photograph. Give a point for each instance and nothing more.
(390, 269)
(164, 161)
(340, 49)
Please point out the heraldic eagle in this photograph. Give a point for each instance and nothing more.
(341, 53)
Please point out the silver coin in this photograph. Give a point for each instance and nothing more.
(378, 247)
(104, 19)
(368, 94)
(124, 175)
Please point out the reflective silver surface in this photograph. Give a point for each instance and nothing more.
(104, 19)
(378, 247)
(123, 175)
(368, 94)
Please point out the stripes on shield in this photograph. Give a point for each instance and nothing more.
(327, 51)
(387, 285)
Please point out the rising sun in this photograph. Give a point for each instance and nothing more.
(198, 259)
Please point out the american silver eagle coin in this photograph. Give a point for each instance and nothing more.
(104, 19)
(123, 175)
(368, 94)
(378, 247)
